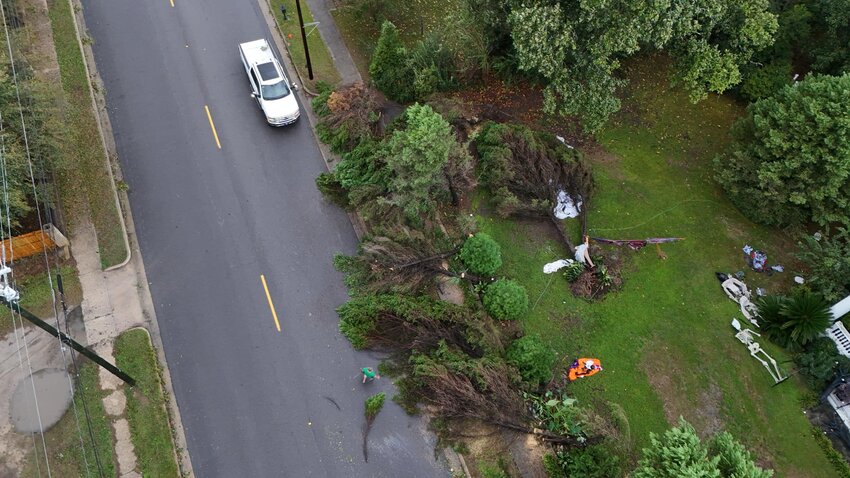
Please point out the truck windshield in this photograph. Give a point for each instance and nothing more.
(275, 91)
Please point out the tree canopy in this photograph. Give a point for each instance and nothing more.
(789, 163)
(575, 46)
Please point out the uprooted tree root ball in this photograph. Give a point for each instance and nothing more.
(595, 283)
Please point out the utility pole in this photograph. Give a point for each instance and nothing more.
(304, 39)
(10, 298)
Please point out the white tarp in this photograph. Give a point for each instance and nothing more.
(566, 207)
(557, 265)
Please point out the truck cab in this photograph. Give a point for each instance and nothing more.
(269, 85)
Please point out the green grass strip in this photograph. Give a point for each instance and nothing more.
(320, 58)
(150, 428)
(83, 151)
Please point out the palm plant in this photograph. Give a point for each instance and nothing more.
(771, 319)
(806, 317)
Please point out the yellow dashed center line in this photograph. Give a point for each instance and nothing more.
(212, 126)
(271, 304)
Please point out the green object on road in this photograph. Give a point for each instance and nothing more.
(368, 372)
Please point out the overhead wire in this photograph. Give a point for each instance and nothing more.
(48, 213)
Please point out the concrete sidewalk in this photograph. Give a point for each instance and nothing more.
(321, 10)
(113, 302)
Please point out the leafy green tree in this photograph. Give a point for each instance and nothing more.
(678, 453)
(506, 299)
(828, 259)
(733, 460)
(416, 157)
(575, 45)
(831, 51)
(390, 67)
(481, 254)
(532, 358)
(788, 162)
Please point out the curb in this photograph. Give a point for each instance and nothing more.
(128, 228)
(102, 121)
(329, 158)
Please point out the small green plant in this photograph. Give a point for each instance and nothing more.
(481, 254)
(594, 461)
(557, 413)
(532, 358)
(373, 405)
(572, 271)
(505, 299)
(794, 321)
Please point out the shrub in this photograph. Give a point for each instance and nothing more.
(828, 260)
(532, 358)
(506, 299)
(594, 461)
(839, 463)
(481, 254)
(767, 80)
(390, 67)
(819, 362)
(787, 164)
(771, 320)
(332, 190)
(573, 271)
(733, 459)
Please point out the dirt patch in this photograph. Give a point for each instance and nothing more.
(605, 277)
(663, 374)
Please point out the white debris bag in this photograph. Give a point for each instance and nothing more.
(557, 265)
(566, 207)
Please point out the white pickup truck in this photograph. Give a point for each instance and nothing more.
(269, 85)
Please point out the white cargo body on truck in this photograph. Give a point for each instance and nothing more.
(269, 85)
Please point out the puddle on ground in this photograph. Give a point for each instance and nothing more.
(54, 396)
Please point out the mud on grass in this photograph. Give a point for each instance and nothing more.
(64, 451)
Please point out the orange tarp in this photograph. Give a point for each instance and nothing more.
(27, 245)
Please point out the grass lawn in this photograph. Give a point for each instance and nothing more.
(360, 28)
(83, 156)
(37, 298)
(665, 339)
(320, 58)
(149, 425)
(63, 440)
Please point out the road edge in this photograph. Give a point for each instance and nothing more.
(130, 239)
(330, 159)
(98, 103)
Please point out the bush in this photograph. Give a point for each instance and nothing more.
(481, 254)
(819, 362)
(834, 456)
(390, 67)
(532, 358)
(594, 461)
(794, 321)
(828, 260)
(787, 164)
(572, 271)
(767, 80)
(506, 299)
(332, 190)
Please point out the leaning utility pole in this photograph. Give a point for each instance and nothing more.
(11, 299)
(304, 39)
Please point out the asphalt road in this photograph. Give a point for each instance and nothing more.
(255, 402)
